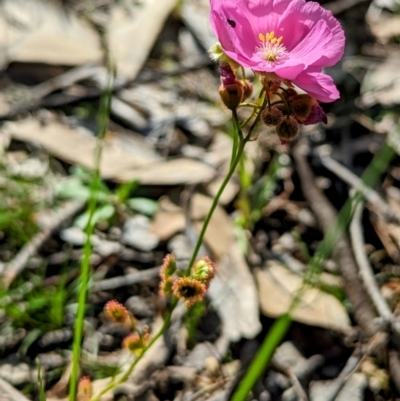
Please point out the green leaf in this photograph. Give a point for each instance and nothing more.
(29, 340)
(103, 213)
(148, 207)
(73, 189)
(42, 393)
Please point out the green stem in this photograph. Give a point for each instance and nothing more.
(104, 112)
(236, 127)
(257, 119)
(265, 353)
(252, 105)
(243, 73)
(234, 163)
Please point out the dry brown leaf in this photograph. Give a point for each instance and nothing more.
(220, 233)
(131, 33)
(277, 287)
(37, 31)
(124, 158)
(168, 221)
(78, 145)
(170, 172)
(233, 293)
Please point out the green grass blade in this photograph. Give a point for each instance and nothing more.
(104, 113)
(42, 394)
(263, 357)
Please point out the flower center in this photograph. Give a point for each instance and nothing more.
(271, 48)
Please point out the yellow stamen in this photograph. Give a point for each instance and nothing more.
(271, 48)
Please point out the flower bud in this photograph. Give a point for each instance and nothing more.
(287, 130)
(166, 286)
(231, 95)
(247, 89)
(300, 106)
(168, 267)
(116, 312)
(272, 117)
(135, 342)
(189, 289)
(84, 389)
(228, 77)
(217, 54)
(203, 270)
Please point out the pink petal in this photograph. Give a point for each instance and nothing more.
(318, 85)
(312, 36)
(333, 52)
(290, 72)
(233, 29)
(313, 45)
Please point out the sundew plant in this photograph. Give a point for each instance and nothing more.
(286, 44)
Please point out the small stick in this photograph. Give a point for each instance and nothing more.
(372, 196)
(334, 388)
(123, 281)
(9, 393)
(365, 269)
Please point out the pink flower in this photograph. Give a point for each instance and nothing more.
(293, 39)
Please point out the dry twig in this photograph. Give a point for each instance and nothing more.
(9, 393)
(365, 268)
(351, 179)
(123, 281)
